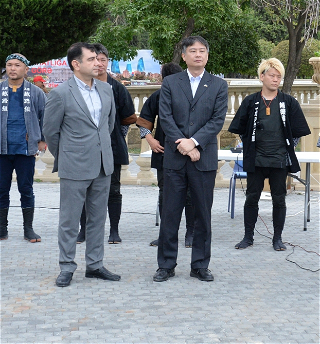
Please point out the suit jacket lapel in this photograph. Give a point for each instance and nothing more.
(185, 86)
(204, 84)
(79, 99)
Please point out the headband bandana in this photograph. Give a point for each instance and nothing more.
(18, 57)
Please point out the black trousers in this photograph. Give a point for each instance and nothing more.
(255, 183)
(176, 183)
(24, 167)
(160, 179)
(115, 195)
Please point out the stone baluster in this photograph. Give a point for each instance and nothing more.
(47, 174)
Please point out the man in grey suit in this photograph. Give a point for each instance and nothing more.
(192, 110)
(78, 120)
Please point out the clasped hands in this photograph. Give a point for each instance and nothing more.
(188, 147)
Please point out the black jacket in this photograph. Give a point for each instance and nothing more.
(293, 120)
(147, 118)
(125, 115)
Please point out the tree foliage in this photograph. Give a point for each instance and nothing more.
(44, 29)
(281, 51)
(301, 18)
(232, 39)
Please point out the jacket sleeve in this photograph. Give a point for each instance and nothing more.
(126, 107)
(41, 105)
(168, 123)
(149, 112)
(298, 123)
(53, 118)
(240, 119)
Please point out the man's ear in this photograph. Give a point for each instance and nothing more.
(75, 64)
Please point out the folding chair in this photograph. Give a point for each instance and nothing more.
(237, 174)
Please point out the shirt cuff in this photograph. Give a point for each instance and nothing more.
(195, 141)
(144, 132)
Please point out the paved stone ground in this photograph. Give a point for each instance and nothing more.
(257, 296)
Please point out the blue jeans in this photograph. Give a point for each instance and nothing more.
(24, 167)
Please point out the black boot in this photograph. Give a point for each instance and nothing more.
(4, 223)
(279, 217)
(189, 213)
(250, 219)
(82, 233)
(114, 210)
(29, 234)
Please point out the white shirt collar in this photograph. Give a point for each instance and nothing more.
(191, 76)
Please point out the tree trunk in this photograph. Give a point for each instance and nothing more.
(177, 49)
(296, 45)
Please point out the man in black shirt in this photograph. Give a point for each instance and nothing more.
(270, 124)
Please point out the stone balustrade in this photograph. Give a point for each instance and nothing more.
(305, 91)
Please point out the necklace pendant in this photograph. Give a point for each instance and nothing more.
(14, 88)
(268, 111)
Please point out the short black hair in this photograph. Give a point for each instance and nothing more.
(170, 68)
(75, 52)
(191, 40)
(101, 49)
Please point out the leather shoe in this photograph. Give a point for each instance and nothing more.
(102, 273)
(162, 275)
(81, 237)
(202, 274)
(64, 279)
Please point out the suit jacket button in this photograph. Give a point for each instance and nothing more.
(98, 144)
(191, 123)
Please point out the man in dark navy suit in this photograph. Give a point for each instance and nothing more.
(192, 110)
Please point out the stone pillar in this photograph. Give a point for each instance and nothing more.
(126, 177)
(312, 113)
(145, 176)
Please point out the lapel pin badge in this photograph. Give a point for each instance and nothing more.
(205, 85)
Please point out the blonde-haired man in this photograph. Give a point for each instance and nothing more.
(270, 124)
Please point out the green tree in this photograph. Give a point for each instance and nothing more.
(266, 48)
(231, 36)
(301, 18)
(44, 29)
(281, 51)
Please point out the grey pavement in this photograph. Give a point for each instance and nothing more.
(258, 296)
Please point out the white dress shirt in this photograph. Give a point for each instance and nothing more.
(91, 98)
(194, 83)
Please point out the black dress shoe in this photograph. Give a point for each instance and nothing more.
(154, 242)
(202, 274)
(102, 273)
(162, 275)
(64, 279)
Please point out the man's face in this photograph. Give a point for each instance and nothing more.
(271, 79)
(39, 84)
(103, 60)
(89, 66)
(16, 70)
(196, 56)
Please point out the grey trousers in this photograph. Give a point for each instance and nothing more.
(73, 194)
